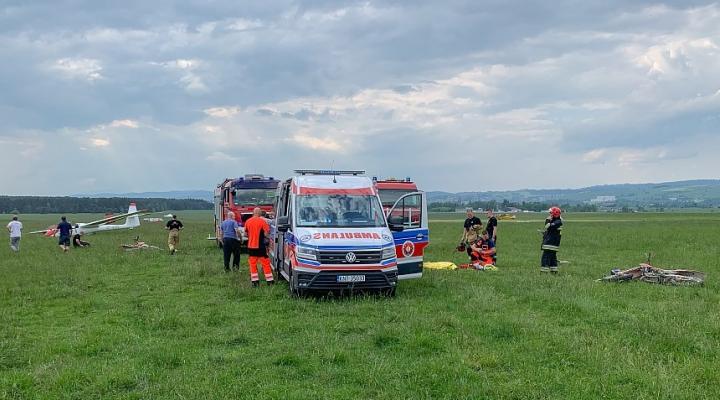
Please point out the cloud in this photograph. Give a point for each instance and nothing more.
(100, 142)
(611, 91)
(79, 68)
(189, 78)
(220, 157)
(222, 112)
(316, 143)
(242, 24)
(124, 123)
(594, 156)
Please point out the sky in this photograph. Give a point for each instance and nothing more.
(460, 95)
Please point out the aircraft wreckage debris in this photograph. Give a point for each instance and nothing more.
(648, 273)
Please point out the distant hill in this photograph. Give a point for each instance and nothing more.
(173, 194)
(49, 205)
(681, 194)
(694, 193)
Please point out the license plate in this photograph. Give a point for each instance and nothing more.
(351, 278)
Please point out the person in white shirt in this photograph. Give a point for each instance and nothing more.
(15, 228)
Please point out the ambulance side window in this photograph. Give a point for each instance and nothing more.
(284, 201)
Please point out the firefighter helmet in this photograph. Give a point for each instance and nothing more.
(555, 212)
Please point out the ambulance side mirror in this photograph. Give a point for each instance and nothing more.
(283, 224)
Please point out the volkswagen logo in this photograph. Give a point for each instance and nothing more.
(350, 257)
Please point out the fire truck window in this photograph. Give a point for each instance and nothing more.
(253, 197)
(390, 196)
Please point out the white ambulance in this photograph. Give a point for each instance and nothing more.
(330, 233)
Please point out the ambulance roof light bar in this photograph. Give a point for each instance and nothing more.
(329, 172)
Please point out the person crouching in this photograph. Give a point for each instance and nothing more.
(482, 252)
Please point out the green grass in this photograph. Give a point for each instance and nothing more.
(103, 323)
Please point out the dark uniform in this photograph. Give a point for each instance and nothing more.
(490, 228)
(65, 230)
(551, 244)
(174, 227)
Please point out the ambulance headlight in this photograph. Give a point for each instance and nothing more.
(307, 253)
(388, 252)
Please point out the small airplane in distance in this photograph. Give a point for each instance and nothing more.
(506, 217)
(132, 220)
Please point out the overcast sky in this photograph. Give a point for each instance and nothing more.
(460, 95)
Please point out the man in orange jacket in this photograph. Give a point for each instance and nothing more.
(257, 229)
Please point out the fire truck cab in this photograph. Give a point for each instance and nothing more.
(241, 196)
(391, 189)
(330, 233)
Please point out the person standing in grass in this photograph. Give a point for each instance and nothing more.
(15, 229)
(173, 226)
(65, 230)
(492, 225)
(551, 241)
(231, 243)
(258, 230)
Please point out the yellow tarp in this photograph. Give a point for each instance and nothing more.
(439, 265)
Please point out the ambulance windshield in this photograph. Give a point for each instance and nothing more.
(339, 211)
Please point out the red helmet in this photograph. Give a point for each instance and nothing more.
(555, 212)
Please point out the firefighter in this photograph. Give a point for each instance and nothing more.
(551, 241)
(257, 230)
(173, 226)
(471, 231)
(482, 251)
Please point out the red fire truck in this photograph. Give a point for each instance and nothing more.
(241, 195)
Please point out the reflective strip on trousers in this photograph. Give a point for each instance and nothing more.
(550, 247)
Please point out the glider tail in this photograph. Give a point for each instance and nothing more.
(133, 221)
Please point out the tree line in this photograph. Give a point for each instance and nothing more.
(506, 205)
(73, 205)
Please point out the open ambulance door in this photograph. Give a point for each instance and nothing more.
(411, 242)
(276, 250)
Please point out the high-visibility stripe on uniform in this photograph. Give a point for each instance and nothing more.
(550, 247)
(267, 271)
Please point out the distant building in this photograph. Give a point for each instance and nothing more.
(603, 200)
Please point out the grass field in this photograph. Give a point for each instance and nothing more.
(102, 323)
